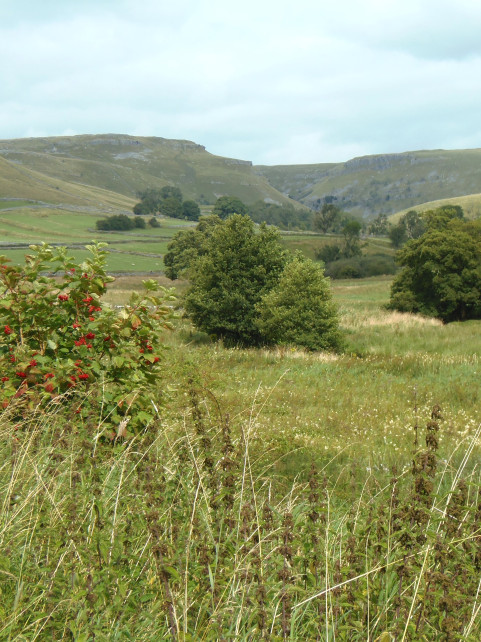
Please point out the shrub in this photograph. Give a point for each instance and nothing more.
(118, 222)
(58, 338)
(361, 267)
(238, 266)
(299, 309)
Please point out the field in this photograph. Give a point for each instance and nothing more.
(272, 494)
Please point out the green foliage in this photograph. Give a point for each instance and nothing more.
(299, 309)
(360, 267)
(379, 226)
(327, 218)
(119, 222)
(238, 266)
(411, 226)
(187, 245)
(60, 341)
(153, 222)
(171, 207)
(190, 210)
(227, 205)
(286, 217)
(169, 191)
(441, 273)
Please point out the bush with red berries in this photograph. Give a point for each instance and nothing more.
(59, 342)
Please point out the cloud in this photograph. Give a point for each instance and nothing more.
(269, 82)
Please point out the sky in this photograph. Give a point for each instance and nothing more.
(273, 82)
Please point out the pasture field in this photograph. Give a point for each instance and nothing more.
(275, 494)
(27, 225)
(358, 407)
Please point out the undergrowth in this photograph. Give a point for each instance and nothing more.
(180, 533)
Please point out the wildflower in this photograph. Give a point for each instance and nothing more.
(73, 378)
(91, 318)
(63, 297)
(8, 329)
(5, 378)
(90, 335)
(49, 375)
(12, 359)
(20, 374)
(76, 325)
(49, 387)
(87, 299)
(156, 359)
(83, 376)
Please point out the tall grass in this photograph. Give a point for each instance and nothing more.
(183, 534)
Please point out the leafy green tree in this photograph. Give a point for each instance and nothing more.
(139, 223)
(351, 232)
(190, 210)
(379, 226)
(441, 273)
(142, 208)
(171, 207)
(153, 222)
(239, 266)
(187, 245)
(169, 191)
(324, 221)
(398, 234)
(299, 309)
(227, 205)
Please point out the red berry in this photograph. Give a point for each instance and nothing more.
(7, 329)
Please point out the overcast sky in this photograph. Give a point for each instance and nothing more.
(270, 81)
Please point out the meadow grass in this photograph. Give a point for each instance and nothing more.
(277, 494)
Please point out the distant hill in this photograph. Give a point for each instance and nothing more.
(126, 164)
(104, 173)
(385, 183)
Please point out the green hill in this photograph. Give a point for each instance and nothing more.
(385, 183)
(127, 164)
(105, 172)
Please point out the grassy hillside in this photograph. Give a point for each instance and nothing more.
(385, 183)
(126, 164)
(471, 206)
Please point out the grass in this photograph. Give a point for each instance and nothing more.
(277, 494)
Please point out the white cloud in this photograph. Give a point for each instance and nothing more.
(270, 82)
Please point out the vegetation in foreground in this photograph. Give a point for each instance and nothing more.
(211, 523)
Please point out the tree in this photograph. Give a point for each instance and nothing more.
(441, 273)
(239, 266)
(171, 207)
(171, 192)
(227, 205)
(299, 309)
(325, 219)
(351, 232)
(187, 245)
(190, 210)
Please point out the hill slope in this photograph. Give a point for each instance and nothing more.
(385, 183)
(127, 164)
